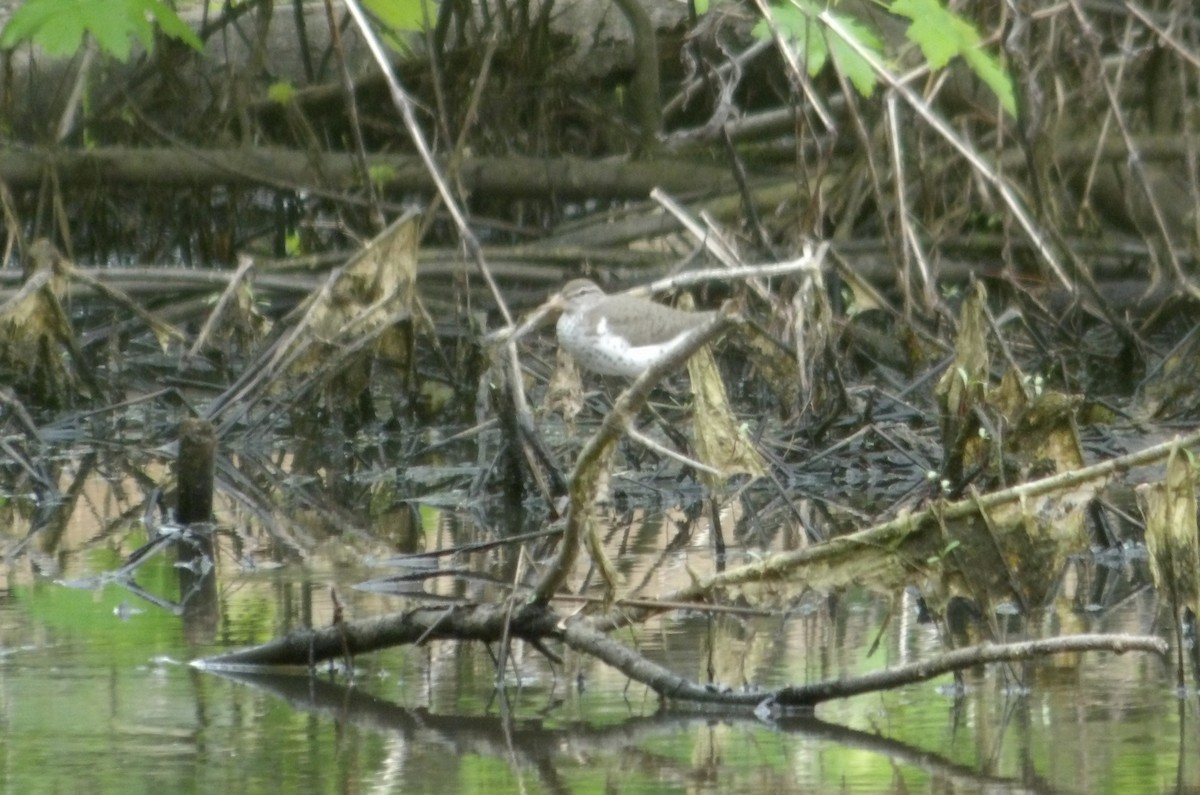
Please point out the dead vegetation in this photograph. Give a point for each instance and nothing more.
(999, 335)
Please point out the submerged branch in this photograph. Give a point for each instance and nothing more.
(892, 538)
(459, 622)
(960, 659)
(535, 622)
(487, 623)
(585, 638)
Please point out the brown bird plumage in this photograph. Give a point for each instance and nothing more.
(618, 334)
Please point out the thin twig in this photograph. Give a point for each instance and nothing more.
(1036, 235)
(798, 72)
(245, 264)
(811, 260)
(646, 441)
(887, 534)
(585, 477)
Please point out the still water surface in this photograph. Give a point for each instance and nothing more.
(96, 694)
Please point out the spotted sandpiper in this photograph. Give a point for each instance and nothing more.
(620, 334)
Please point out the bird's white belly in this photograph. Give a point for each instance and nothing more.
(602, 352)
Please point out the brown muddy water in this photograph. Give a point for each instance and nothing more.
(97, 695)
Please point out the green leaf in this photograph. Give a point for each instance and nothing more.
(281, 92)
(58, 26)
(381, 174)
(849, 62)
(796, 25)
(401, 16)
(113, 32)
(172, 25)
(994, 76)
(933, 29)
(799, 27)
(61, 38)
(942, 34)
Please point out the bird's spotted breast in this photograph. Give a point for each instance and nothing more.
(620, 335)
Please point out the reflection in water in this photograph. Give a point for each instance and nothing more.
(92, 687)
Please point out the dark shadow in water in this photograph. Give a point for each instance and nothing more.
(952, 776)
(527, 741)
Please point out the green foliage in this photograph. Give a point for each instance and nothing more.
(939, 33)
(400, 16)
(946, 550)
(293, 244)
(58, 26)
(281, 92)
(381, 174)
(798, 25)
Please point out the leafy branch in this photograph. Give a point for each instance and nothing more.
(940, 33)
(58, 26)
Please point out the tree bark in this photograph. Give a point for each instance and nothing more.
(567, 178)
